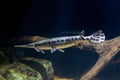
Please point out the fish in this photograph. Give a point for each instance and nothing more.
(60, 43)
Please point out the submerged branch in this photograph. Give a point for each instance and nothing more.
(106, 51)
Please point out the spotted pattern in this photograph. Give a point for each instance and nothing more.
(97, 37)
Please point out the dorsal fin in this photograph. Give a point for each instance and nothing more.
(32, 38)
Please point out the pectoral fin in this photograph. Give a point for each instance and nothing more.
(42, 51)
(39, 50)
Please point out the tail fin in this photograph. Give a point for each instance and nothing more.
(98, 33)
(98, 37)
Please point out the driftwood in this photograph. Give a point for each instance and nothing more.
(106, 51)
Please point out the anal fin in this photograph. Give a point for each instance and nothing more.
(53, 50)
(42, 51)
(61, 50)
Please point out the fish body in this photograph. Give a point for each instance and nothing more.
(59, 43)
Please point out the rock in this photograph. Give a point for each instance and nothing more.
(27, 69)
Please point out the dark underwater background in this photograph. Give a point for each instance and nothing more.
(52, 18)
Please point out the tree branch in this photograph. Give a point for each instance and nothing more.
(106, 51)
